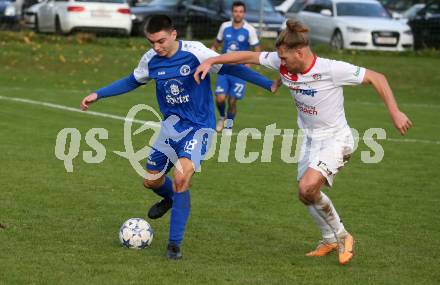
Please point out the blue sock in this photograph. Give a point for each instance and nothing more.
(230, 123)
(221, 109)
(166, 190)
(179, 216)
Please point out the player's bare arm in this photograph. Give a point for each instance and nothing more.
(256, 49)
(380, 83)
(89, 99)
(239, 57)
(215, 45)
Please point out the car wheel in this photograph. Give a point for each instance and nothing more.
(58, 30)
(36, 24)
(143, 27)
(337, 41)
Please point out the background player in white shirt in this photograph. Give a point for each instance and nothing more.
(236, 35)
(316, 87)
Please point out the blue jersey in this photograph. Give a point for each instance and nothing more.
(240, 39)
(176, 90)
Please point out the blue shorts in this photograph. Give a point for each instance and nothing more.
(172, 145)
(230, 86)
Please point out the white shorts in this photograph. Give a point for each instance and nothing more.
(326, 155)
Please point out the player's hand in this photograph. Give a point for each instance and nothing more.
(202, 69)
(401, 122)
(275, 85)
(88, 100)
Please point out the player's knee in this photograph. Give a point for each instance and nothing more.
(302, 199)
(308, 192)
(151, 184)
(180, 182)
(220, 99)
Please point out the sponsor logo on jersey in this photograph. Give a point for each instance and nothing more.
(297, 90)
(306, 92)
(317, 76)
(233, 46)
(307, 109)
(357, 72)
(161, 73)
(185, 70)
(176, 93)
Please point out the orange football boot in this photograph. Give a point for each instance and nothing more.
(345, 248)
(323, 248)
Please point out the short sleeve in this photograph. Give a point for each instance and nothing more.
(220, 33)
(201, 52)
(344, 73)
(141, 72)
(270, 60)
(253, 37)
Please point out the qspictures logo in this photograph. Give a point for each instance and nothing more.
(219, 146)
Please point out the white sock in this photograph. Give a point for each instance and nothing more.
(326, 230)
(327, 211)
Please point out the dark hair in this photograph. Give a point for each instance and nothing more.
(238, 4)
(293, 36)
(159, 23)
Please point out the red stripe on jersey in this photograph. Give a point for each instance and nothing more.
(286, 74)
(310, 67)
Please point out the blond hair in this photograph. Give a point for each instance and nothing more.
(293, 36)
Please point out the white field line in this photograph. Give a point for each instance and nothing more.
(155, 124)
(263, 97)
(77, 110)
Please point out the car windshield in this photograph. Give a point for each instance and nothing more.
(252, 5)
(297, 6)
(411, 12)
(160, 2)
(102, 1)
(360, 9)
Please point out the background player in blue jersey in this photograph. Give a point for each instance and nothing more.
(189, 117)
(236, 35)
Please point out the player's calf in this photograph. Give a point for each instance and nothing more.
(164, 188)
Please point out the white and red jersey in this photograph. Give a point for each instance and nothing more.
(317, 92)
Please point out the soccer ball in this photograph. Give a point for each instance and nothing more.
(136, 233)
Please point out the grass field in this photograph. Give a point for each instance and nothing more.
(246, 225)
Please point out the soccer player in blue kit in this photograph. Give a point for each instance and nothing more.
(189, 117)
(236, 35)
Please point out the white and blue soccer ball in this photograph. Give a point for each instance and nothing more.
(136, 233)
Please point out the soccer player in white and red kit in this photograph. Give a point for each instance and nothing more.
(316, 85)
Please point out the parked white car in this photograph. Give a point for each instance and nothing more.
(284, 6)
(353, 24)
(66, 16)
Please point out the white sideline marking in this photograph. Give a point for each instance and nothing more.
(77, 110)
(153, 124)
(263, 97)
